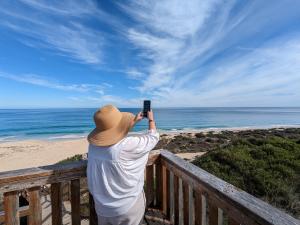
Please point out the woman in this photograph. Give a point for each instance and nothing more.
(116, 163)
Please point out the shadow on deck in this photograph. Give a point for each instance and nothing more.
(176, 191)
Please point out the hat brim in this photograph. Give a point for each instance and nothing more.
(112, 135)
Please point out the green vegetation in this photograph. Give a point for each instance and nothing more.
(72, 158)
(264, 163)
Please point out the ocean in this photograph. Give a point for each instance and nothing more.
(52, 124)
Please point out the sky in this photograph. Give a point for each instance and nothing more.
(86, 53)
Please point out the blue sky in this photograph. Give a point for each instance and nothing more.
(177, 53)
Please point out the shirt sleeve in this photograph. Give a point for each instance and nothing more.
(136, 146)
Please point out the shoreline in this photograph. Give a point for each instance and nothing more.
(72, 136)
(36, 152)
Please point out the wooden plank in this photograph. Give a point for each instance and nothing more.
(149, 185)
(43, 180)
(2, 217)
(176, 200)
(204, 209)
(11, 206)
(212, 214)
(93, 214)
(23, 211)
(242, 206)
(159, 182)
(56, 203)
(66, 192)
(166, 192)
(198, 207)
(154, 156)
(232, 221)
(75, 202)
(220, 216)
(186, 210)
(26, 178)
(35, 208)
(155, 217)
(171, 196)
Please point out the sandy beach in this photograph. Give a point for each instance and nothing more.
(32, 153)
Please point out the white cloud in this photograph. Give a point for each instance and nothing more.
(175, 18)
(261, 77)
(55, 26)
(134, 73)
(44, 82)
(172, 34)
(108, 99)
(186, 53)
(64, 8)
(194, 57)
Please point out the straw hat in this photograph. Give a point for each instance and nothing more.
(111, 126)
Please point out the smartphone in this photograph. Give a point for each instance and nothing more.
(147, 108)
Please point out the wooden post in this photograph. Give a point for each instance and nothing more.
(204, 208)
(186, 213)
(11, 206)
(159, 182)
(35, 208)
(220, 216)
(149, 185)
(166, 191)
(93, 214)
(66, 191)
(231, 221)
(213, 214)
(56, 203)
(176, 200)
(198, 207)
(75, 201)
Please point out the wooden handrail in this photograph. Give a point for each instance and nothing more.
(166, 176)
(31, 179)
(240, 206)
(38, 176)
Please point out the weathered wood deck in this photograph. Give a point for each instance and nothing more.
(177, 192)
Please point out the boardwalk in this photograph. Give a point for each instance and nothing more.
(177, 189)
(152, 216)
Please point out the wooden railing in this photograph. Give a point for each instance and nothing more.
(183, 192)
(205, 199)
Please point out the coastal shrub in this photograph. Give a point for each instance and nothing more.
(208, 140)
(72, 158)
(264, 163)
(200, 135)
(267, 167)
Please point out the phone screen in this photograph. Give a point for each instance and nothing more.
(147, 107)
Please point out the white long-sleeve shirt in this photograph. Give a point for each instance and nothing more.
(116, 173)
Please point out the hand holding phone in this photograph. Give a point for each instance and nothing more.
(150, 116)
(146, 108)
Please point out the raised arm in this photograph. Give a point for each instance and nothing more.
(151, 121)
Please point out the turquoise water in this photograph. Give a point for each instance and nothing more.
(74, 123)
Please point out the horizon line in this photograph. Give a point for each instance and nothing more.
(171, 107)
